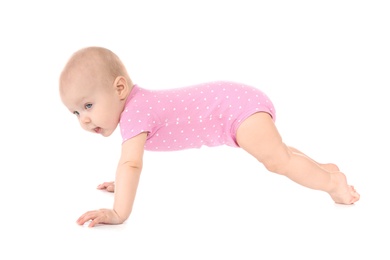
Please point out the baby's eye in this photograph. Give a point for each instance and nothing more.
(88, 106)
(76, 113)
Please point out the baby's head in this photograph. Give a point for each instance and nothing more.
(94, 86)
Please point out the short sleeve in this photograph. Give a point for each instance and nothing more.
(134, 121)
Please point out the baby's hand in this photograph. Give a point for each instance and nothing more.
(107, 186)
(101, 216)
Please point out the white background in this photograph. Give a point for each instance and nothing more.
(325, 65)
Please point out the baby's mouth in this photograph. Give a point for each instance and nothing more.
(97, 130)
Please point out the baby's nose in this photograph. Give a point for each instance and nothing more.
(84, 119)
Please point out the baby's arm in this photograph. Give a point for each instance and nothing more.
(126, 183)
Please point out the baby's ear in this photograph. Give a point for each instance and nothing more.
(121, 87)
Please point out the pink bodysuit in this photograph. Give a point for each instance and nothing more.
(206, 114)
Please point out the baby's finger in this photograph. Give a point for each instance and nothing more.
(86, 217)
(101, 186)
(96, 220)
(110, 188)
(104, 185)
(107, 186)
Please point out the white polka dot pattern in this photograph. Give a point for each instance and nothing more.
(189, 117)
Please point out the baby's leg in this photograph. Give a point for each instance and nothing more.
(331, 167)
(258, 136)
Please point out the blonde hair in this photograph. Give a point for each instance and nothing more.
(95, 62)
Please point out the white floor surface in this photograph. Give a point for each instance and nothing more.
(324, 65)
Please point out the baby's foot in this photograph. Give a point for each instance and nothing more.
(341, 192)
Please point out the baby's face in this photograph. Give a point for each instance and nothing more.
(98, 108)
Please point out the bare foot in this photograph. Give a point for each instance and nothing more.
(341, 192)
(107, 186)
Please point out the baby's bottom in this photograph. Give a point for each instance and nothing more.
(258, 136)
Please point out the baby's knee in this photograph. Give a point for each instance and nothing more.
(273, 166)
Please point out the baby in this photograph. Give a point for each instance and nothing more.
(95, 86)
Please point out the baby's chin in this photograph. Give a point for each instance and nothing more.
(106, 133)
